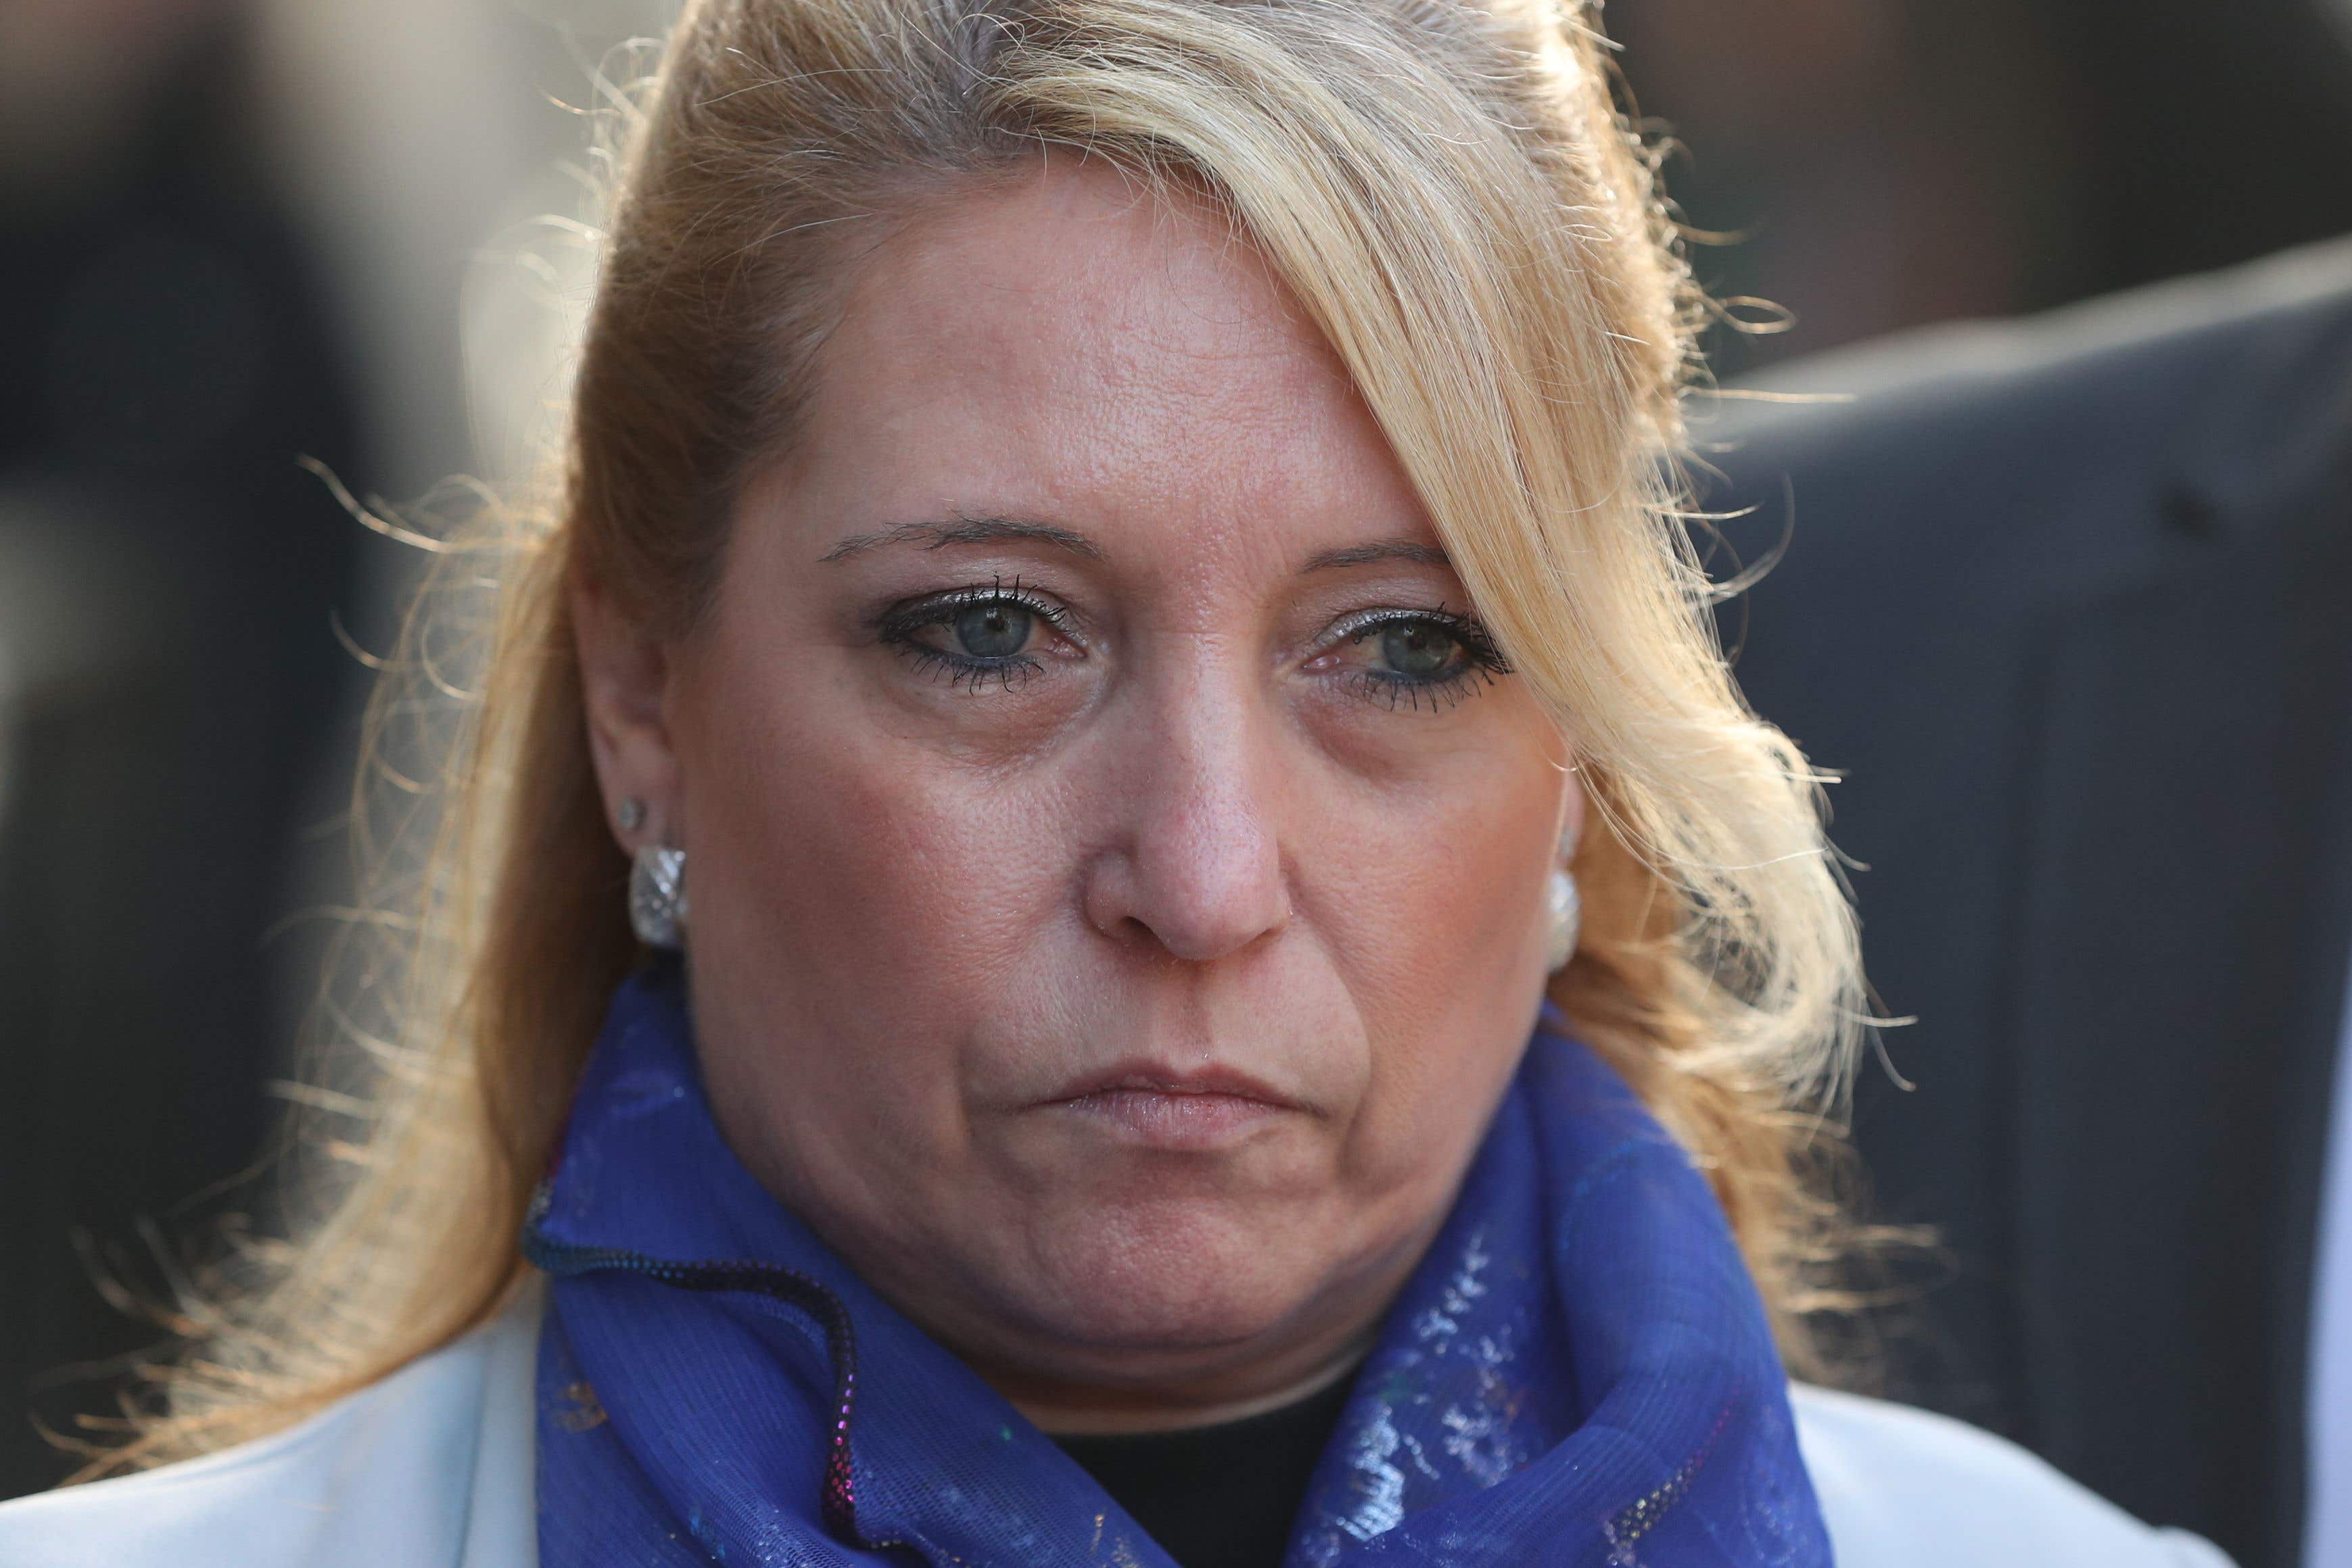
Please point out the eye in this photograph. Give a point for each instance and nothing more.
(994, 629)
(1419, 659)
(1419, 649)
(994, 634)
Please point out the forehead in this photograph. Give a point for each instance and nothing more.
(1075, 347)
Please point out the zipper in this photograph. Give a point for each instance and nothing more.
(565, 1260)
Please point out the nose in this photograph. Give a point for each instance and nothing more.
(1195, 866)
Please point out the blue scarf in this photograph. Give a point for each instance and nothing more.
(1579, 1371)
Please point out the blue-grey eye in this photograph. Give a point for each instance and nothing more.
(1419, 649)
(992, 629)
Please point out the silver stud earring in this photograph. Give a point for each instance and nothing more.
(1563, 913)
(632, 814)
(657, 897)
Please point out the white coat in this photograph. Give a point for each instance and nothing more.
(433, 1469)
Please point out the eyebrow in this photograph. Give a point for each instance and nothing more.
(989, 530)
(1372, 554)
(964, 531)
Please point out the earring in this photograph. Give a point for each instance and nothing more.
(632, 814)
(1564, 912)
(657, 897)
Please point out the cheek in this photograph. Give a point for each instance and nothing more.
(1434, 907)
(855, 884)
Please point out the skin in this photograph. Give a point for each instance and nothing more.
(1128, 1013)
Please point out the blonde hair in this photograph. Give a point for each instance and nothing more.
(1448, 189)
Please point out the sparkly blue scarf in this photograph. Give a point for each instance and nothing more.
(1580, 1372)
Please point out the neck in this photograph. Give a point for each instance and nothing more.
(1081, 1411)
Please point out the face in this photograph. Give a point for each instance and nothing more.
(1116, 850)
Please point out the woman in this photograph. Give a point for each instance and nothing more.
(1199, 898)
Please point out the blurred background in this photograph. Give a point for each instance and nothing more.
(242, 236)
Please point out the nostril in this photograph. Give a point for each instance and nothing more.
(1194, 907)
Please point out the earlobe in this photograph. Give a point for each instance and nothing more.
(624, 687)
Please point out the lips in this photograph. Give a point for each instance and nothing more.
(1150, 1078)
(1198, 1110)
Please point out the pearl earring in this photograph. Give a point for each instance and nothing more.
(1563, 912)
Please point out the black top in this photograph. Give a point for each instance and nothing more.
(1218, 1496)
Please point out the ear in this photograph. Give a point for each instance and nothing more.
(624, 685)
(1574, 809)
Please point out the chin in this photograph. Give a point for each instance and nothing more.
(1184, 1279)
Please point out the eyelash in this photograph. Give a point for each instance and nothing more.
(1482, 660)
(898, 625)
